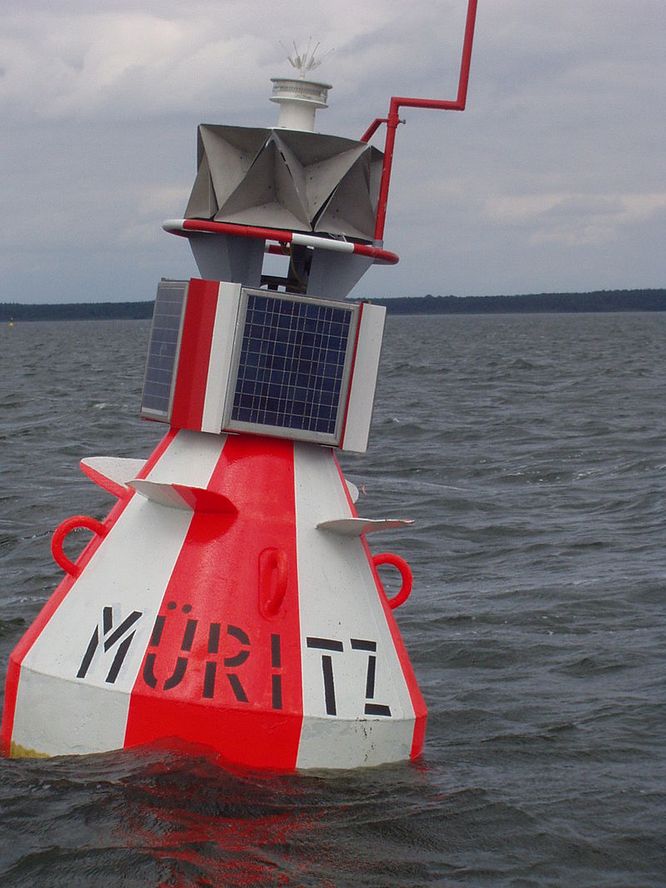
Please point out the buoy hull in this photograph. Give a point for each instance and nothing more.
(229, 619)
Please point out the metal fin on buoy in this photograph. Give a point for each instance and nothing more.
(356, 526)
(112, 473)
(182, 496)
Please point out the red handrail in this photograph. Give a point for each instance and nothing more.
(185, 227)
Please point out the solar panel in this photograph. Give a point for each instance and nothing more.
(293, 365)
(163, 349)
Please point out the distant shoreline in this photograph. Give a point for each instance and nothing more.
(596, 301)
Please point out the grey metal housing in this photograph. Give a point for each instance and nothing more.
(286, 179)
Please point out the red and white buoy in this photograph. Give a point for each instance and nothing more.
(230, 597)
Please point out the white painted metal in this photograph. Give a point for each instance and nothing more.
(182, 496)
(339, 603)
(117, 470)
(221, 353)
(364, 378)
(353, 490)
(354, 527)
(160, 493)
(299, 100)
(309, 240)
(57, 713)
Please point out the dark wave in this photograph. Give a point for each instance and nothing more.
(530, 451)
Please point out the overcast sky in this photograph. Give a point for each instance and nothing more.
(553, 179)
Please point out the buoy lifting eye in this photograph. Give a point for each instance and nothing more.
(405, 572)
(63, 530)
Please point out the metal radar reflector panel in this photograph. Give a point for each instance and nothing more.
(223, 357)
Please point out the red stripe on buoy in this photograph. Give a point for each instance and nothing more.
(223, 665)
(194, 356)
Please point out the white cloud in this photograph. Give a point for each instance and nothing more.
(150, 57)
(571, 219)
(559, 152)
(118, 64)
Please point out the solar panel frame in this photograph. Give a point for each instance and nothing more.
(162, 369)
(295, 381)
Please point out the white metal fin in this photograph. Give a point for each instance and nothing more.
(183, 496)
(111, 472)
(356, 526)
(353, 490)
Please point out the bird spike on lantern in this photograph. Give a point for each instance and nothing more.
(307, 60)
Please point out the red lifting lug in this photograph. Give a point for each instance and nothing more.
(405, 572)
(63, 530)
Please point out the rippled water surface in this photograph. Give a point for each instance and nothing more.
(532, 452)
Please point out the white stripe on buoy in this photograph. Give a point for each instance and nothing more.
(55, 713)
(344, 635)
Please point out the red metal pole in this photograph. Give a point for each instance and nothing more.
(372, 129)
(391, 127)
(398, 102)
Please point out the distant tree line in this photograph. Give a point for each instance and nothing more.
(76, 311)
(599, 300)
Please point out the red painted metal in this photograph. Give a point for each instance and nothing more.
(190, 390)
(405, 572)
(252, 231)
(393, 119)
(62, 532)
(273, 580)
(372, 129)
(233, 676)
(112, 487)
(282, 236)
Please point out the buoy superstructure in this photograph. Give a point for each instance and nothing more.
(230, 597)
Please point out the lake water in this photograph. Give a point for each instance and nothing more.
(531, 450)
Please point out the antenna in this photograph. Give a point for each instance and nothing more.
(306, 60)
(299, 98)
(393, 119)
